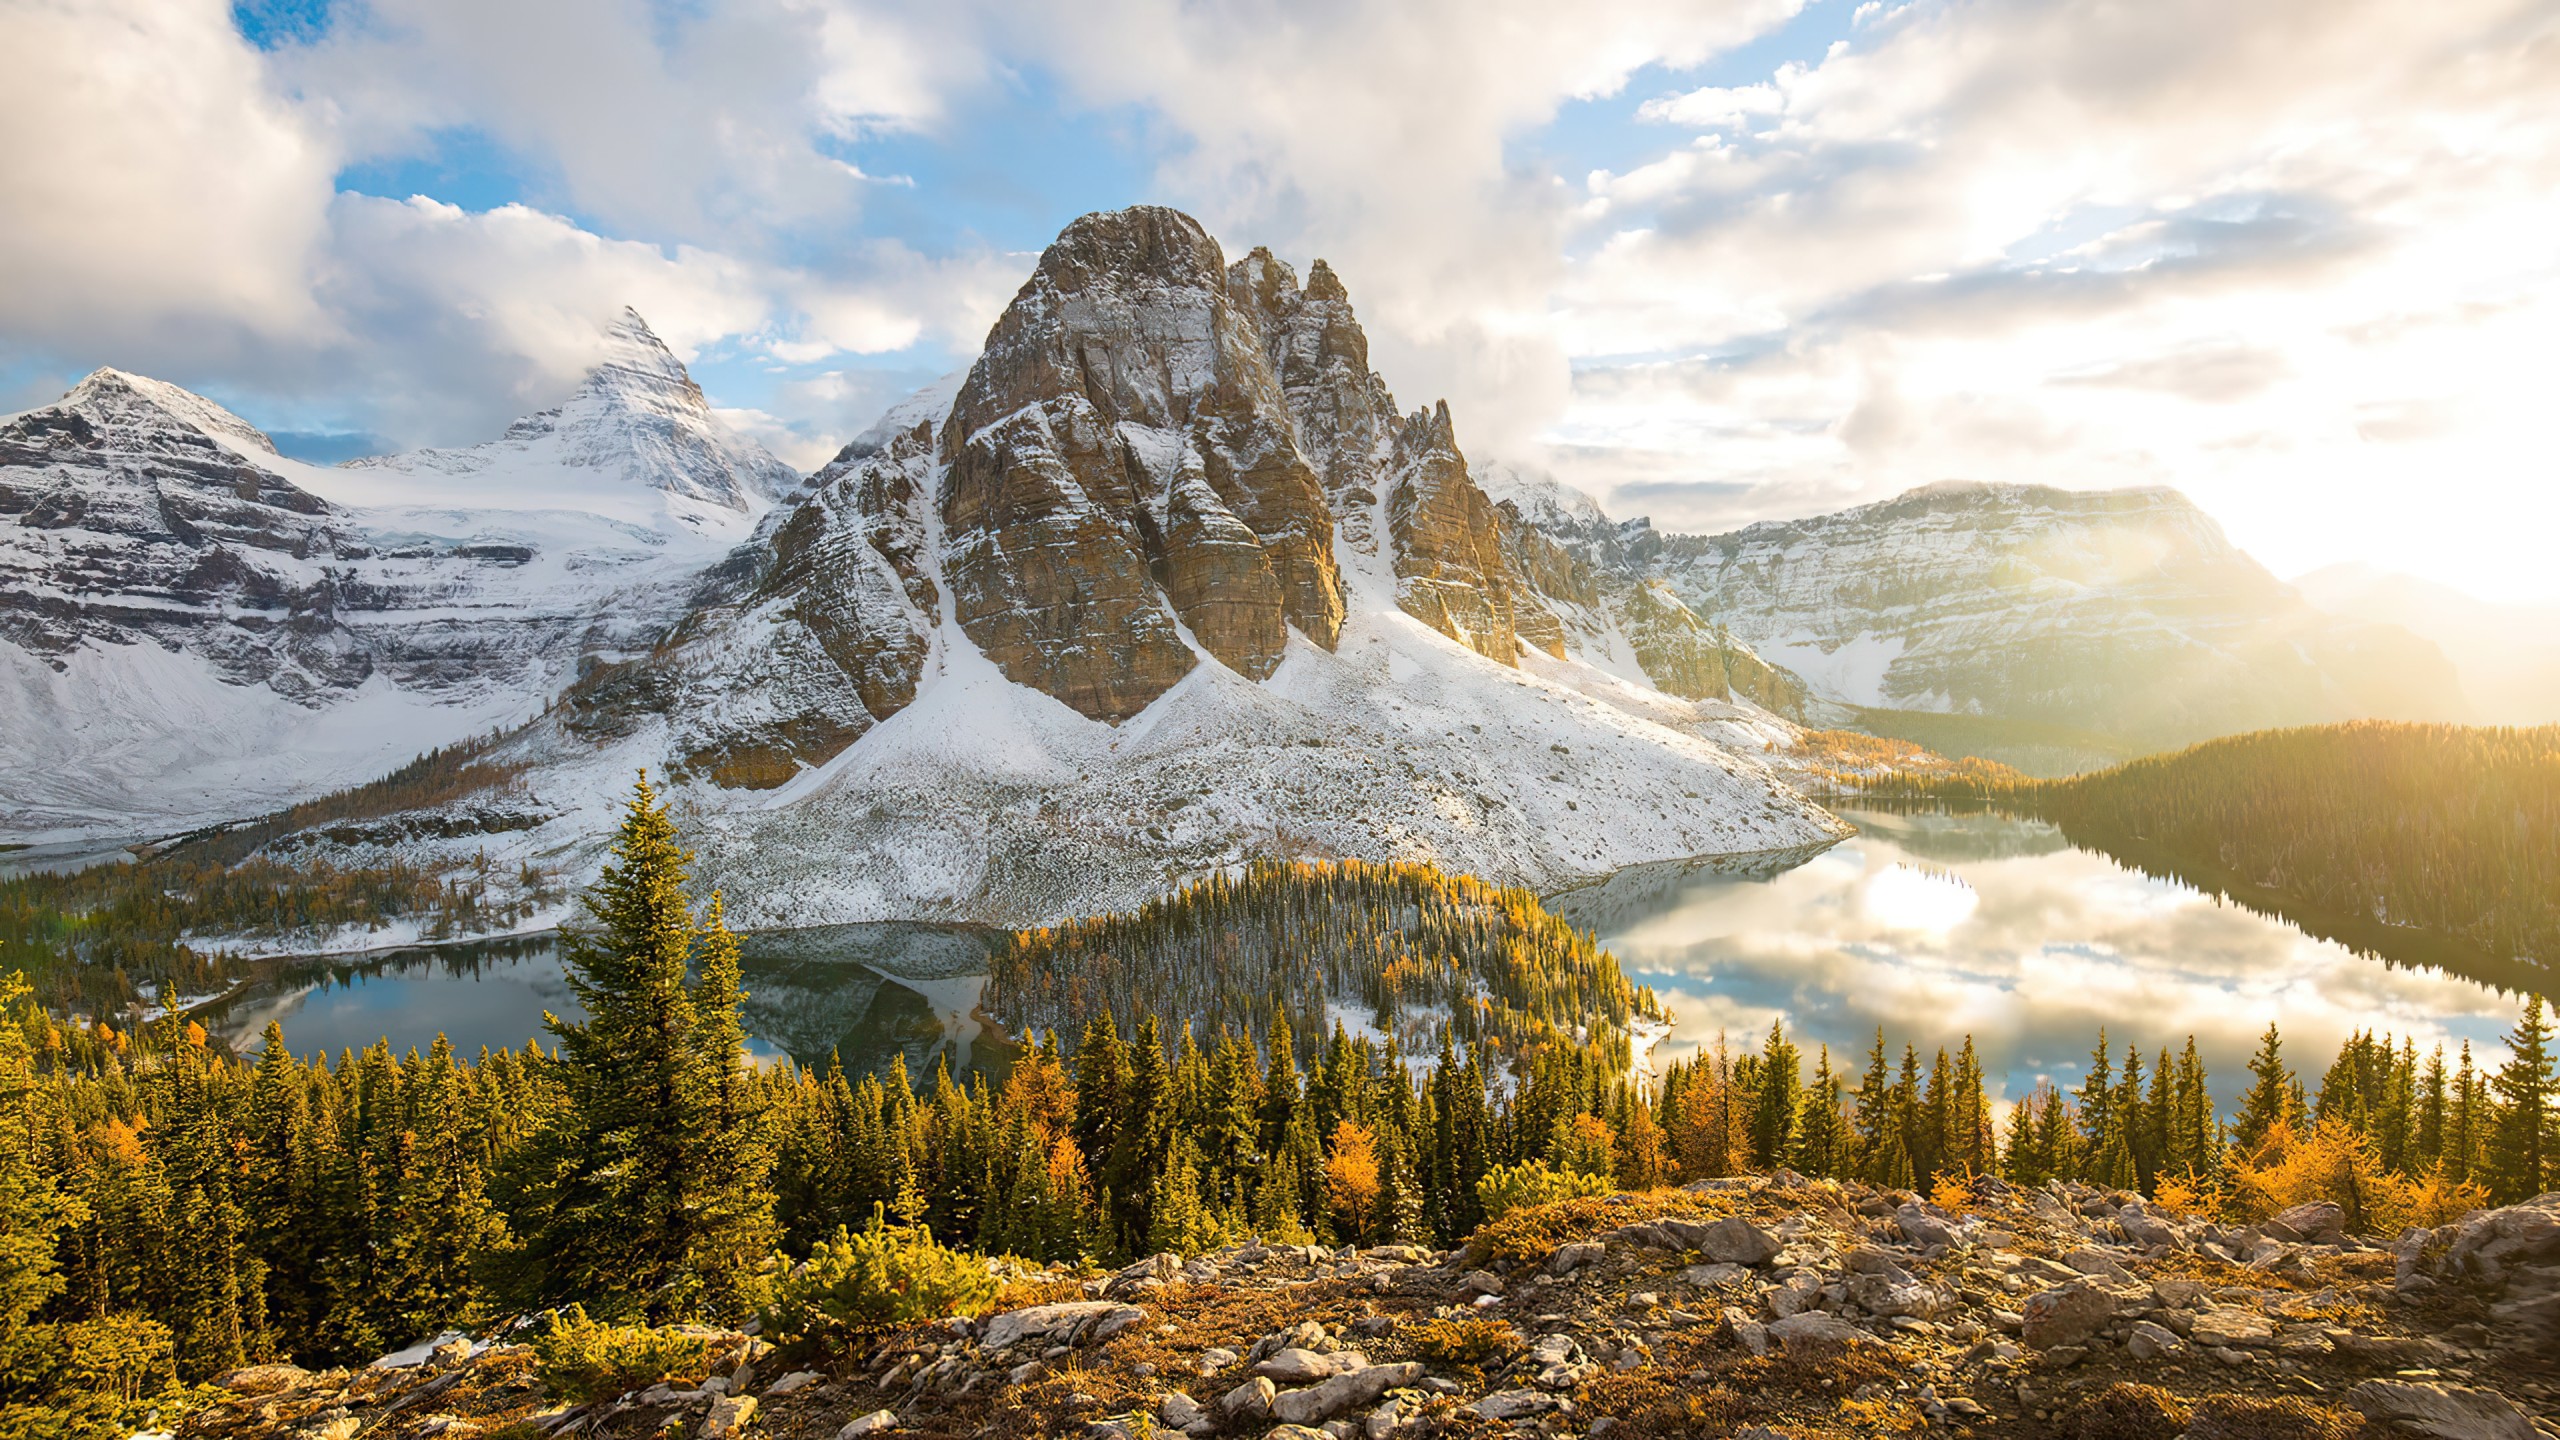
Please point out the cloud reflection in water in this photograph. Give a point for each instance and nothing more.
(1937, 926)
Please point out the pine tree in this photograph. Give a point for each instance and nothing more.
(1773, 1109)
(1822, 1131)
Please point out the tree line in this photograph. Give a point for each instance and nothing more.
(168, 1210)
(2369, 832)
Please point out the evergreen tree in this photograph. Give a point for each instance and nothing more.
(632, 1200)
(2524, 1087)
(1781, 1093)
(2270, 1100)
(33, 1211)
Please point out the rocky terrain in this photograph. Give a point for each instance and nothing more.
(1751, 1308)
(193, 627)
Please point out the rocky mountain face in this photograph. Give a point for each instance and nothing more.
(1584, 587)
(193, 627)
(2125, 612)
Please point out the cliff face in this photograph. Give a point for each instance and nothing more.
(1123, 463)
(1448, 542)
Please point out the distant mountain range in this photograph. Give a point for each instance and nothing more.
(1166, 581)
(2508, 655)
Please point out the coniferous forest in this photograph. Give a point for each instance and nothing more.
(2381, 835)
(169, 1211)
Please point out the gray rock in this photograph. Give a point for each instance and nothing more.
(1480, 1282)
(1569, 1258)
(1322, 1401)
(2229, 1327)
(1294, 1366)
(1180, 1411)
(1883, 1295)
(1817, 1336)
(2151, 1342)
(796, 1380)
(2065, 1315)
(1922, 1227)
(1513, 1405)
(1103, 1318)
(2145, 1228)
(1215, 1359)
(2443, 1411)
(2320, 1222)
(729, 1415)
(871, 1424)
(1250, 1400)
(2090, 1260)
(1737, 1241)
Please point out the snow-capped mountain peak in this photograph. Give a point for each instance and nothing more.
(637, 417)
(118, 402)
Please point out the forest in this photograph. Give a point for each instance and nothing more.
(1412, 951)
(169, 1211)
(2373, 833)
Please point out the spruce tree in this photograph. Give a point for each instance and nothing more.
(2270, 1100)
(1773, 1109)
(634, 1203)
(2525, 1087)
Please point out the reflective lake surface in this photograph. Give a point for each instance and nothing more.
(1931, 925)
(869, 992)
(1936, 925)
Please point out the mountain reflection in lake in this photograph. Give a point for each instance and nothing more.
(1936, 925)
(869, 992)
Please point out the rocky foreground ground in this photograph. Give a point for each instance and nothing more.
(1752, 1308)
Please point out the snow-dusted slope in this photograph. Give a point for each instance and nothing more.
(193, 628)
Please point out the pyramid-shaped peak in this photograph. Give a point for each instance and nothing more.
(119, 397)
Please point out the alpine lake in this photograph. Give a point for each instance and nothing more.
(1932, 925)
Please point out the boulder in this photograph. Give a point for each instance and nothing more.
(2321, 1222)
(1327, 1398)
(1508, 1405)
(1250, 1400)
(871, 1424)
(1569, 1258)
(1737, 1241)
(728, 1416)
(2443, 1411)
(1816, 1336)
(262, 1379)
(1295, 1366)
(1180, 1411)
(1058, 1323)
(2065, 1314)
(2151, 1342)
(1886, 1296)
(1923, 1228)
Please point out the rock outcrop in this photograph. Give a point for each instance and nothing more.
(1124, 469)
(1448, 541)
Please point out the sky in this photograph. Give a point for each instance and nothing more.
(1711, 260)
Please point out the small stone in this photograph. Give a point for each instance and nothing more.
(1180, 1411)
(871, 1424)
(796, 1380)
(1817, 1336)
(1737, 1241)
(1569, 1258)
(1480, 1282)
(1215, 1359)
(2229, 1327)
(1295, 1366)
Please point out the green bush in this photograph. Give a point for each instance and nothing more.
(1506, 1188)
(584, 1360)
(887, 1275)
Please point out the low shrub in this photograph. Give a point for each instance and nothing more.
(885, 1276)
(586, 1360)
(1506, 1188)
(1472, 1341)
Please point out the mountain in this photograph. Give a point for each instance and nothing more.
(1167, 584)
(2508, 655)
(2126, 613)
(193, 627)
